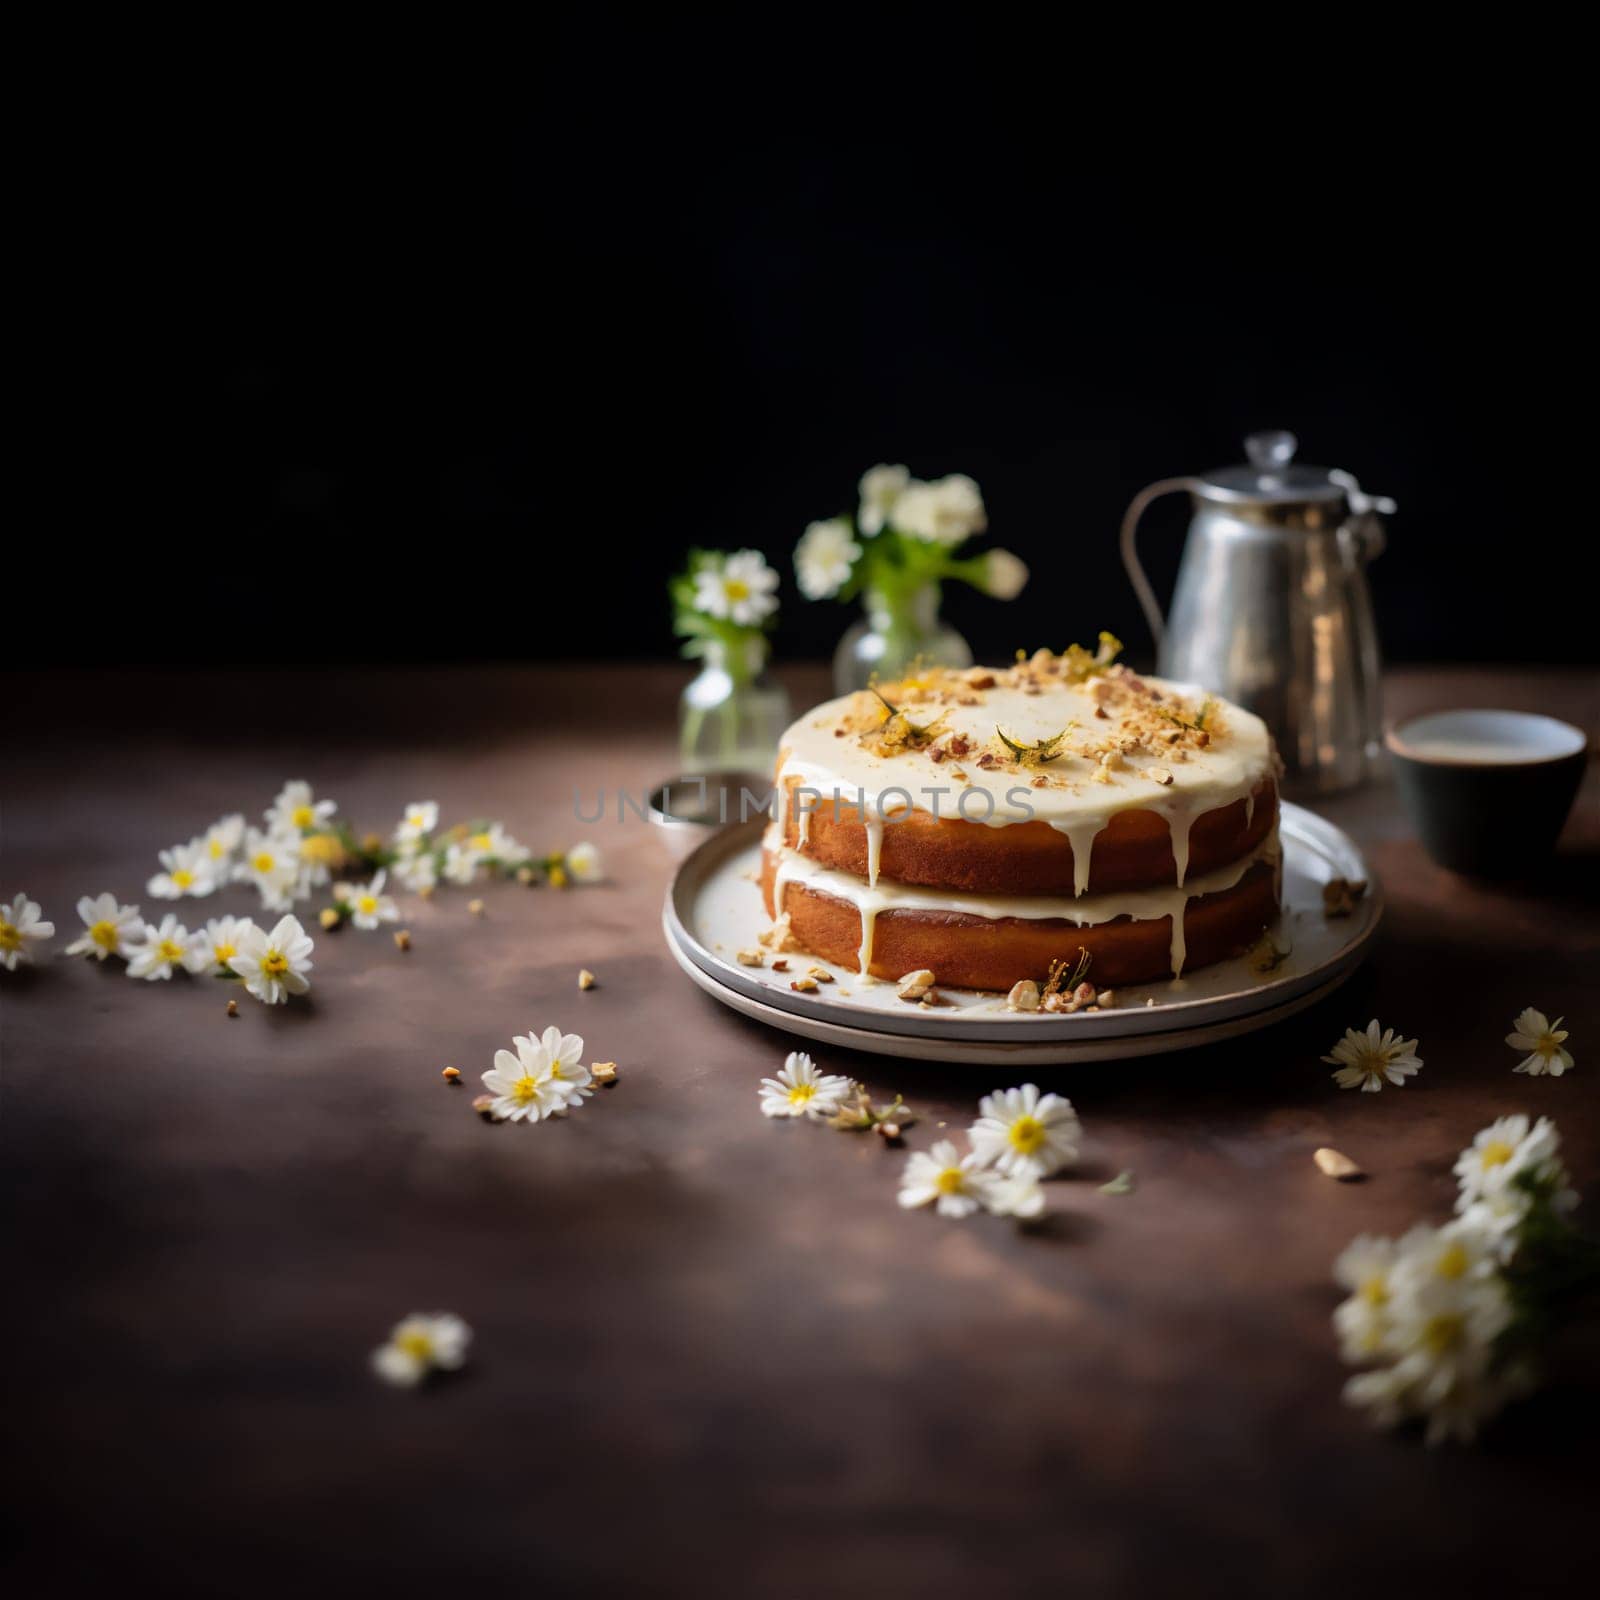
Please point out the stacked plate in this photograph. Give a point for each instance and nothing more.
(714, 910)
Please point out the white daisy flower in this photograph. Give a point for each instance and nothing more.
(881, 487)
(1502, 1169)
(491, 846)
(1004, 575)
(1543, 1040)
(946, 512)
(108, 928)
(737, 588)
(1365, 1060)
(1460, 1252)
(1021, 1197)
(418, 872)
(271, 861)
(187, 870)
(568, 1080)
(215, 945)
(369, 905)
(585, 864)
(1364, 1268)
(957, 1185)
(20, 927)
(274, 965)
(799, 1090)
(523, 1085)
(824, 557)
(419, 819)
(163, 949)
(1024, 1133)
(424, 1342)
(220, 840)
(297, 810)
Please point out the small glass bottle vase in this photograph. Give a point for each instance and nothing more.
(733, 713)
(897, 630)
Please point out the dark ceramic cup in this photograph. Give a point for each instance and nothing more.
(1488, 791)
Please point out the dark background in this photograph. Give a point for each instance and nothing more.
(363, 374)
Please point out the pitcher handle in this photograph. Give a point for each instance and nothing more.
(1130, 553)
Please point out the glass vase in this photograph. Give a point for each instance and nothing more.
(733, 713)
(898, 630)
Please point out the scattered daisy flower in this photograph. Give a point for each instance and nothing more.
(1506, 1170)
(163, 949)
(271, 861)
(824, 557)
(1021, 1197)
(108, 928)
(736, 588)
(1363, 1268)
(369, 905)
(881, 487)
(1365, 1060)
(584, 863)
(297, 810)
(489, 847)
(1025, 1134)
(569, 1082)
(419, 873)
(274, 965)
(1543, 1040)
(319, 854)
(187, 870)
(799, 1090)
(522, 1084)
(418, 820)
(218, 943)
(220, 841)
(20, 927)
(424, 1342)
(956, 1185)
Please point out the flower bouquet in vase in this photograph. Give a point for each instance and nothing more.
(903, 542)
(733, 713)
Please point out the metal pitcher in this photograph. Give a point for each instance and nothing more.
(1271, 607)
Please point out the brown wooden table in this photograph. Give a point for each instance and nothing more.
(712, 1356)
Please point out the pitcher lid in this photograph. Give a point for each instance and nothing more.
(1272, 476)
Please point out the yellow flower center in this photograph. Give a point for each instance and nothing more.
(274, 963)
(104, 934)
(302, 816)
(1453, 1260)
(801, 1093)
(951, 1181)
(1496, 1153)
(183, 877)
(1443, 1333)
(170, 950)
(1375, 1291)
(415, 1343)
(417, 820)
(265, 862)
(223, 953)
(481, 841)
(1548, 1044)
(558, 877)
(323, 847)
(10, 937)
(525, 1089)
(1026, 1135)
(216, 849)
(736, 588)
(367, 904)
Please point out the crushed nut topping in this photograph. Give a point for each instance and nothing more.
(1024, 996)
(1339, 896)
(821, 974)
(1159, 775)
(1336, 1164)
(603, 1071)
(750, 958)
(586, 979)
(804, 985)
(915, 985)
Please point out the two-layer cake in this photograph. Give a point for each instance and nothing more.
(986, 823)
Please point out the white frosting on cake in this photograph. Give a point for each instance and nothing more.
(871, 900)
(1230, 768)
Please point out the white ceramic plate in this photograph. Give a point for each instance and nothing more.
(714, 909)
